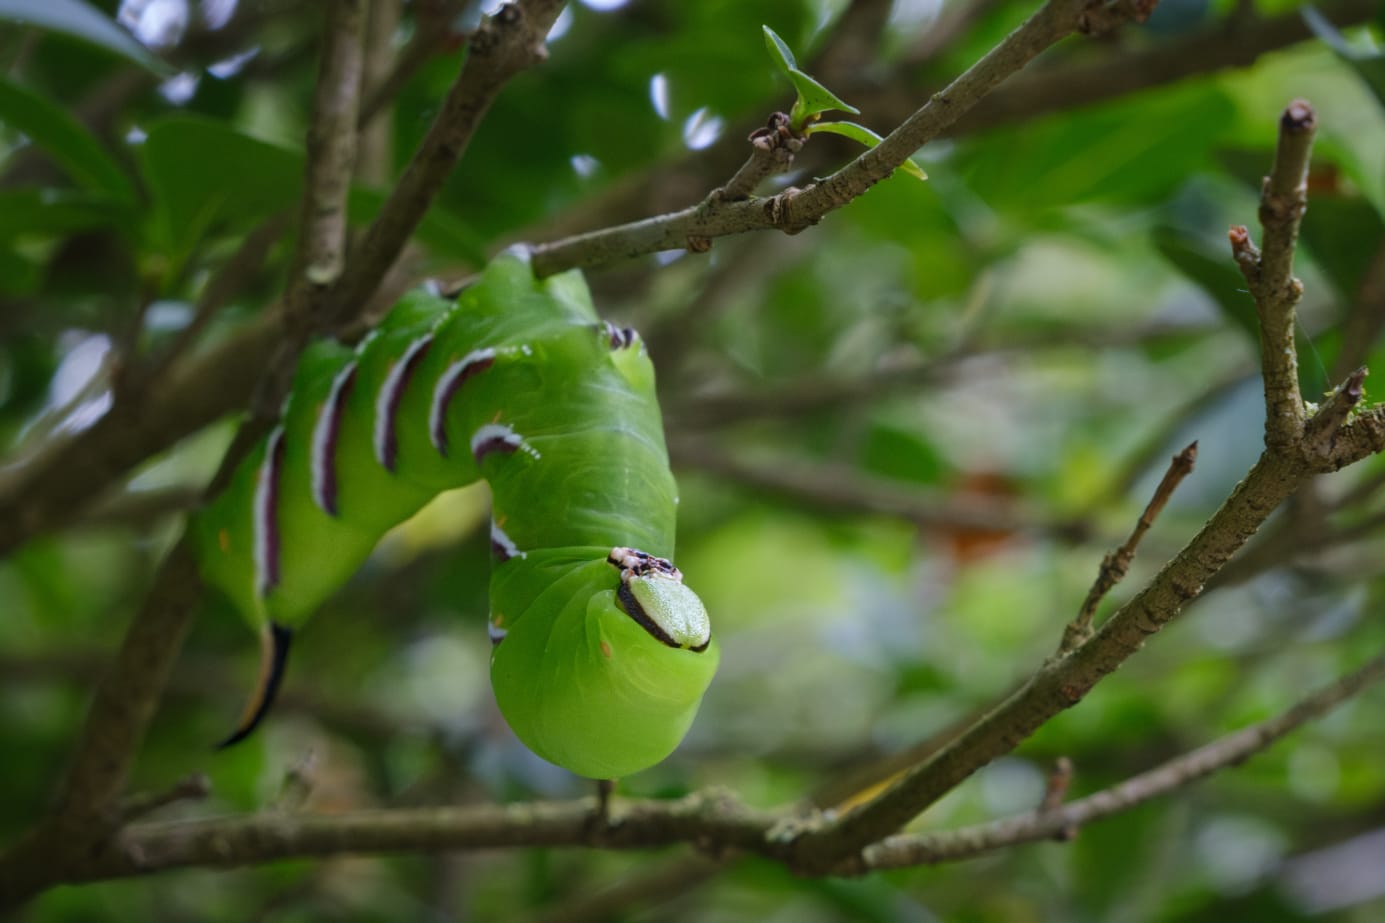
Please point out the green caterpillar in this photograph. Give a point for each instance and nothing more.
(601, 653)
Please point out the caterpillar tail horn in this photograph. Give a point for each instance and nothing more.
(274, 657)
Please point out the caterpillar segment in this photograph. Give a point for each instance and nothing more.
(601, 653)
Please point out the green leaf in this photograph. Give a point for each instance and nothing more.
(779, 51)
(64, 138)
(813, 97)
(204, 174)
(84, 22)
(867, 137)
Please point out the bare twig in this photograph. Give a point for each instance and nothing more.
(1115, 565)
(1270, 273)
(837, 487)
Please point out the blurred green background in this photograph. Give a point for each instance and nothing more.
(1024, 339)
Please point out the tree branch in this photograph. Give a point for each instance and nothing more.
(1270, 273)
(711, 816)
(794, 210)
(928, 849)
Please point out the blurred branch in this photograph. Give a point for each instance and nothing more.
(845, 489)
(1116, 564)
(331, 162)
(927, 849)
(646, 888)
(795, 210)
(1237, 41)
(812, 394)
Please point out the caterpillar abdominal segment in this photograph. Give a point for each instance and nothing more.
(606, 652)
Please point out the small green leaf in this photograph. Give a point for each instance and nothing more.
(84, 22)
(813, 99)
(779, 51)
(867, 137)
(49, 126)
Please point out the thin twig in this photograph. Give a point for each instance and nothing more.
(1116, 564)
(840, 488)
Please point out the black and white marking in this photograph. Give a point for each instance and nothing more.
(387, 401)
(325, 432)
(449, 384)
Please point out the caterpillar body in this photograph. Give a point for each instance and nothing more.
(601, 653)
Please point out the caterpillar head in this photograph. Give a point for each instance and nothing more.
(604, 672)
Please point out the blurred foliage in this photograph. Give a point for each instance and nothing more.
(1068, 275)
